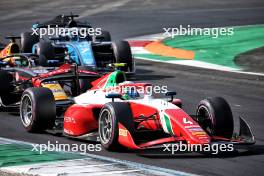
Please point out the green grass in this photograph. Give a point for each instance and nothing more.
(223, 49)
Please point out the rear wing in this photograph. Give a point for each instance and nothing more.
(63, 21)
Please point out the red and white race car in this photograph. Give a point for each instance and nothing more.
(122, 113)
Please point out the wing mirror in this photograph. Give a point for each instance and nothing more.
(171, 94)
(113, 96)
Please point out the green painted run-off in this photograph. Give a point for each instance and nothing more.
(221, 50)
(21, 154)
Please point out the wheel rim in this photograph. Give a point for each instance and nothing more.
(208, 121)
(105, 126)
(26, 114)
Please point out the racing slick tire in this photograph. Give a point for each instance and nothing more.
(123, 54)
(46, 49)
(219, 117)
(6, 88)
(27, 41)
(111, 114)
(5, 81)
(104, 37)
(37, 109)
(42, 61)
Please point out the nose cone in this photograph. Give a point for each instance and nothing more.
(178, 123)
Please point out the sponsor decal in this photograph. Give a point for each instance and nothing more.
(69, 119)
(186, 121)
(122, 132)
(195, 129)
(199, 133)
(57, 90)
(192, 126)
(68, 131)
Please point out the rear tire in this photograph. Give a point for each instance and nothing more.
(46, 49)
(37, 109)
(123, 54)
(217, 111)
(27, 41)
(5, 81)
(111, 114)
(104, 37)
(6, 89)
(42, 61)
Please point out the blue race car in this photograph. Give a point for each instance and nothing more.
(92, 51)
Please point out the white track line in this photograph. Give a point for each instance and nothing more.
(151, 37)
(192, 63)
(205, 65)
(92, 165)
(139, 50)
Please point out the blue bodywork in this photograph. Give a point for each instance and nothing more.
(80, 52)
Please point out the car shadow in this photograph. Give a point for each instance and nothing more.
(12, 111)
(238, 152)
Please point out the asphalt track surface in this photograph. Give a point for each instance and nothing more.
(125, 19)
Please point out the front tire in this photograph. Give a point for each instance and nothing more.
(217, 117)
(37, 109)
(111, 114)
(123, 54)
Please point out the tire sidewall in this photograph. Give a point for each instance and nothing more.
(27, 41)
(122, 53)
(220, 115)
(208, 106)
(43, 109)
(115, 129)
(28, 127)
(120, 113)
(46, 49)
